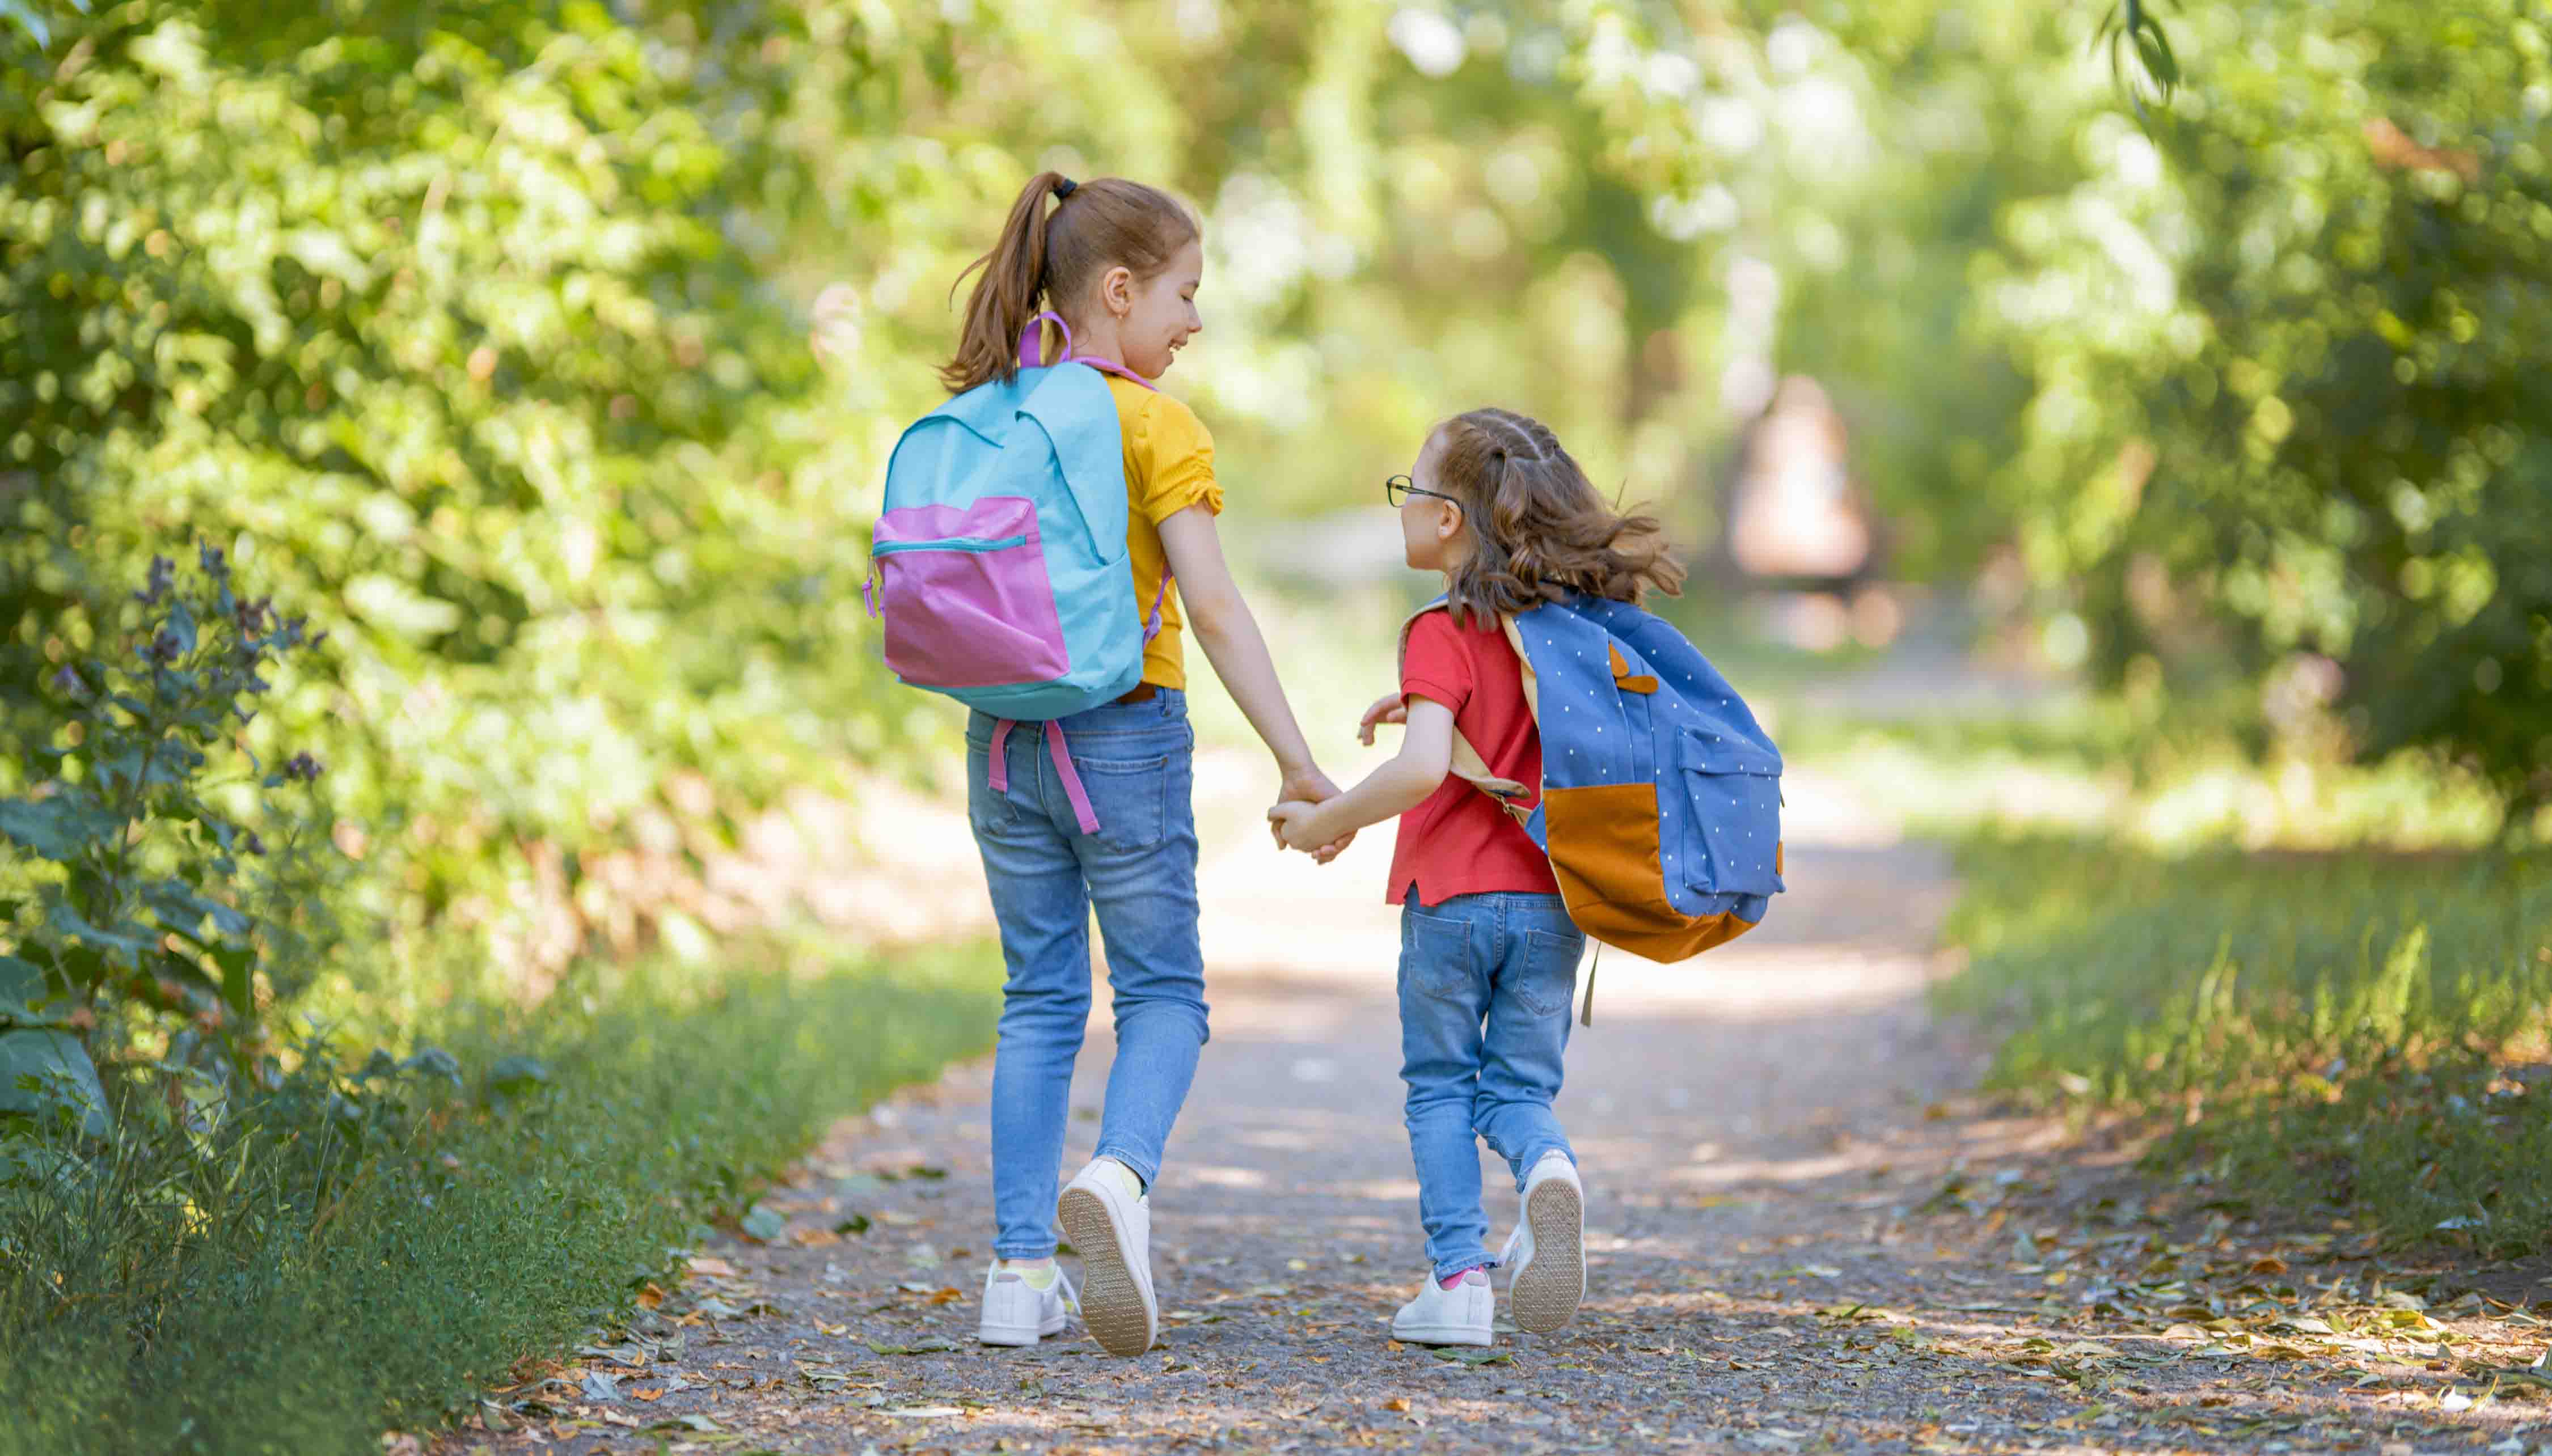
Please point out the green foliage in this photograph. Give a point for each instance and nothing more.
(430, 316)
(149, 892)
(371, 1245)
(2344, 1028)
(2290, 361)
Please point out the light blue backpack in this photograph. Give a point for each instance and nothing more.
(1661, 804)
(1001, 560)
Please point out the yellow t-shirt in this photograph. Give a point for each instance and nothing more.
(1169, 466)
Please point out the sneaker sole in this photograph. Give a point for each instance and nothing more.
(1012, 1336)
(1114, 1302)
(1440, 1334)
(1548, 1289)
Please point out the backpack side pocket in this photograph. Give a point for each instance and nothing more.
(1734, 792)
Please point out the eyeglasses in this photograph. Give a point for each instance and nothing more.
(1400, 487)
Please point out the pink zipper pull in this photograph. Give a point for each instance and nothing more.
(868, 594)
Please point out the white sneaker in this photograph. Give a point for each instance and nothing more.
(1111, 1224)
(1461, 1315)
(1017, 1312)
(1546, 1254)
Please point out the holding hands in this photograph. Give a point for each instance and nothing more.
(1301, 789)
(1313, 817)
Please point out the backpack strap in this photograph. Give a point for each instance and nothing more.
(1032, 352)
(1032, 357)
(1468, 765)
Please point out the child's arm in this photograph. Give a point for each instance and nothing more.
(1231, 640)
(1425, 755)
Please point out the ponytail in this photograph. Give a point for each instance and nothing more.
(1045, 259)
(1006, 297)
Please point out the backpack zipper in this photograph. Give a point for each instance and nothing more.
(975, 543)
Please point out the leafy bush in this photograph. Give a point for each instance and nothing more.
(443, 324)
(152, 898)
(2293, 365)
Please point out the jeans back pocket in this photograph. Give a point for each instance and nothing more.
(1437, 956)
(1130, 796)
(1547, 977)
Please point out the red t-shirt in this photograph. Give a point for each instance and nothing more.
(1459, 842)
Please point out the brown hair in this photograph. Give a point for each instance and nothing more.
(1539, 530)
(1047, 259)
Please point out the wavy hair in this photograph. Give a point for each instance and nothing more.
(1047, 259)
(1539, 530)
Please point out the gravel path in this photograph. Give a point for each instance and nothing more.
(1803, 1236)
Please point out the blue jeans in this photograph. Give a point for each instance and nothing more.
(1137, 763)
(1485, 984)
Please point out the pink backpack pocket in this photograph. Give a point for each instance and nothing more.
(967, 600)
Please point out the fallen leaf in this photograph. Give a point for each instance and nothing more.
(1396, 1403)
(763, 1225)
(814, 1239)
(856, 1223)
(930, 1347)
(946, 1297)
(712, 1266)
(647, 1392)
(650, 1296)
(1474, 1356)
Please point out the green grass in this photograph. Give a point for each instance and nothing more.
(2362, 1030)
(316, 1300)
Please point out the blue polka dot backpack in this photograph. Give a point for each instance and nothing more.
(1661, 803)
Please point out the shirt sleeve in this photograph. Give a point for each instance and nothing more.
(1438, 668)
(1172, 442)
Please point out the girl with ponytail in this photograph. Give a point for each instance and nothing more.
(1119, 264)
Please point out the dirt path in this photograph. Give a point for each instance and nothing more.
(1802, 1236)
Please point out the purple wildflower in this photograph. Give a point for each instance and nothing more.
(163, 574)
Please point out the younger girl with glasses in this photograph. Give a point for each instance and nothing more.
(1488, 956)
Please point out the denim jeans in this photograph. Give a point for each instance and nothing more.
(1485, 985)
(1137, 764)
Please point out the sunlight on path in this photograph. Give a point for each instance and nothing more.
(1804, 1235)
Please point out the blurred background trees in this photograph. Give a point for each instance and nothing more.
(480, 334)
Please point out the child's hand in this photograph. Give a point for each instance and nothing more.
(1388, 708)
(1309, 786)
(1290, 820)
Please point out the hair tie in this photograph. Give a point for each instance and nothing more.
(1064, 188)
